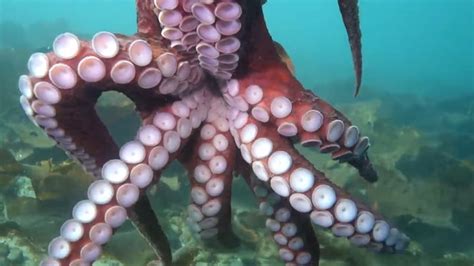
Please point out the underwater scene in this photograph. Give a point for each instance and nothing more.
(345, 138)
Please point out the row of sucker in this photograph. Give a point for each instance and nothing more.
(204, 30)
(210, 174)
(282, 225)
(106, 56)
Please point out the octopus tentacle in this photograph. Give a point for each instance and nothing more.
(309, 192)
(291, 230)
(210, 174)
(79, 70)
(123, 180)
(72, 132)
(350, 15)
(308, 120)
(63, 86)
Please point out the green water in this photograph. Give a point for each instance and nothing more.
(416, 104)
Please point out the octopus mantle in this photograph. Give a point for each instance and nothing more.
(216, 93)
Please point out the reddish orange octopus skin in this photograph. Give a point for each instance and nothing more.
(214, 92)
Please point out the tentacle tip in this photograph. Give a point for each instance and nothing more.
(357, 90)
(368, 172)
(358, 84)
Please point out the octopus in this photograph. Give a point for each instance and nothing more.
(217, 94)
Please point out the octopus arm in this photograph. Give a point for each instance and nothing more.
(210, 169)
(350, 15)
(111, 198)
(143, 69)
(305, 119)
(277, 163)
(67, 117)
(63, 86)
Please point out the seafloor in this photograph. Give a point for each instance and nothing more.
(422, 147)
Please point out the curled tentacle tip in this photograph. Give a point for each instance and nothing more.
(350, 15)
(368, 172)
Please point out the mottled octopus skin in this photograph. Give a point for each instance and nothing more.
(215, 92)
